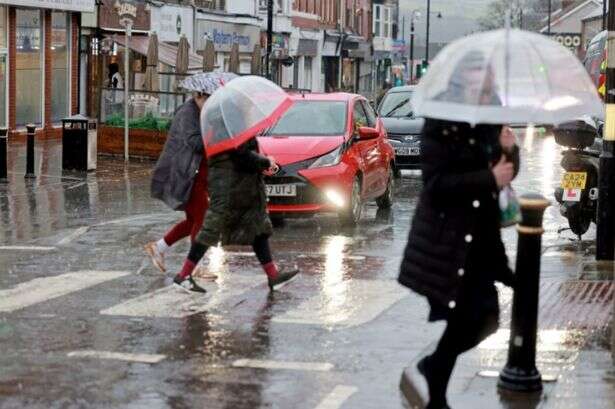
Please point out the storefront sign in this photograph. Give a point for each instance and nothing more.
(68, 5)
(568, 40)
(279, 45)
(224, 35)
(110, 19)
(170, 22)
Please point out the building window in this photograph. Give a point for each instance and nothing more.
(3, 56)
(377, 19)
(60, 78)
(386, 32)
(29, 58)
(382, 21)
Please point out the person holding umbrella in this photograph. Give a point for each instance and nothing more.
(180, 176)
(237, 214)
(455, 252)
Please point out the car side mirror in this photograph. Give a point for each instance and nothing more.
(366, 133)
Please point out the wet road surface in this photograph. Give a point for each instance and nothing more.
(86, 321)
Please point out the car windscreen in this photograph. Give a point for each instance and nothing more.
(396, 104)
(312, 118)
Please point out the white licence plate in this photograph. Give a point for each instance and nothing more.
(403, 151)
(282, 190)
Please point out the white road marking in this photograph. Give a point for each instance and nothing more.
(118, 356)
(130, 219)
(27, 248)
(47, 288)
(72, 236)
(344, 256)
(337, 397)
(346, 303)
(296, 366)
(171, 302)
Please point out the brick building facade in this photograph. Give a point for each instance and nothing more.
(39, 63)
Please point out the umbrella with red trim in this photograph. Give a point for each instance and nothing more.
(239, 111)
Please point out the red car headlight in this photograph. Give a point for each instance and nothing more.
(329, 159)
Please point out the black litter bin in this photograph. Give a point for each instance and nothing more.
(78, 143)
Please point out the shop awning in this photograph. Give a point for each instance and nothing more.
(167, 53)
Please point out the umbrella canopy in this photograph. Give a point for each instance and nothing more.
(209, 57)
(255, 64)
(506, 77)
(151, 82)
(207, 82)
(233, 64)
(183, 50)
(239, 111)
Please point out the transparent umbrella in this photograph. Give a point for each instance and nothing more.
(239, 111)
(207, 82)
(507, 77)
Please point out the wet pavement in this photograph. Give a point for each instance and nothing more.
(86, 321)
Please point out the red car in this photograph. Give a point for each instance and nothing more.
(334, 156)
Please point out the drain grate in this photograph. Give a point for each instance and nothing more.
(576, 304)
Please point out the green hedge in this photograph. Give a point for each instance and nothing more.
(149, 121)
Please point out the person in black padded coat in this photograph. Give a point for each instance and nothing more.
(455, 252)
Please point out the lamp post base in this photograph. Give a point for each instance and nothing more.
(520, 380)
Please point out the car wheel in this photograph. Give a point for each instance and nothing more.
(351, 215)
(386, 200)
(277, 221)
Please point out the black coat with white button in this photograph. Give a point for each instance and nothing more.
(455, 232)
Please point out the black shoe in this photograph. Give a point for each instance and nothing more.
(188, 284)
(282, 277)
(423, 367)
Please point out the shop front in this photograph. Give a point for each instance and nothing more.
(307, 64)
(39, 62)
(224, 35)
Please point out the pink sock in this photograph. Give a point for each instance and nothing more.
(187, 269)
(271, 269)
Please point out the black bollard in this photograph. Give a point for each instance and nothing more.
(520, 373)
(30, 128)
(3, 155)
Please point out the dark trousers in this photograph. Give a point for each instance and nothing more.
(472, 321)
(260, 246)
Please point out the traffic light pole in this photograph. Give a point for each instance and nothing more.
(605, 234)
(427, 31)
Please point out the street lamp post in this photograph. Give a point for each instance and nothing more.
(549, 19)
(427, 31)
(127, 12)
(416, 14)
(605, 223)
(269, 37)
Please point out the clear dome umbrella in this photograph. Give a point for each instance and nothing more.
(507, 77)
(239, 111)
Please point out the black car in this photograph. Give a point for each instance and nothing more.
(403, 128)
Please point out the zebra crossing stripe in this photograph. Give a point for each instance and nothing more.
(47, 288)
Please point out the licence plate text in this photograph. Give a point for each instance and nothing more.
(282, 190)
(403, 151)
(574, 180)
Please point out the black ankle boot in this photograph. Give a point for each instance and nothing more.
(437, 396)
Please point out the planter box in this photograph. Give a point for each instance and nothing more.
(143, 143)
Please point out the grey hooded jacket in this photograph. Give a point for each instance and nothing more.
(181, 157)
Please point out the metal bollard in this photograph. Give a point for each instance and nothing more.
(520, 373)
(3, 154)
(30, 128)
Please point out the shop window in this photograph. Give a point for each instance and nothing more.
(60, 78)
(29, 58)
(3, 65)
